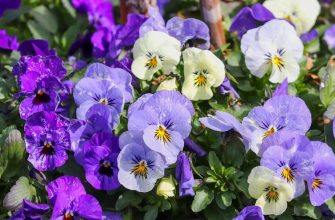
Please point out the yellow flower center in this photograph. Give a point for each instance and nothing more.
(316, 184)
(140, 169)
(103, 101)
(272, 194)
(288, 175)
(200, 80)
(269, 132)
(162, 134)
(152, 63)
(288, 18)
(278, 61)
(68, 216)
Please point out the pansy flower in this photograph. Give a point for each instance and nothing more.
(270, 191)
(202, 70)
(302, 13)
(290, 161)
(70, 200)
(139, 167)
(7, 42)
(274, 46)
(329, 37)
(30, 210)
(164, 120)
(100, 161)
(8, 4)
(35, 47)
(279, 114)
(184, 175)
(47, 140)
(154, 51)
(250, 213)
(321, 182)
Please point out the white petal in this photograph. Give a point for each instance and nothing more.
(140, 70)
(272, 208)
(291, 71)
(248, 39)
(255, 58)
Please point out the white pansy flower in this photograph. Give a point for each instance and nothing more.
(275, 46)
(302, 13)
(154, 51)
(202, 71)
(168, 84)
(270, 191)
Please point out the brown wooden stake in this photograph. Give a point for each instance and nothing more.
(211, 11)
(134, 6)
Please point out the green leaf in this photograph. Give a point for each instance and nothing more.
(45, 19)
(331, 205)
(69, 8)
(21, 190)
(307, 209)
(227, 198)
(126, 199)
(203, 197)
(327, 86)
(151, 214)
(37, 31)
(214, 162)
(12, 158)
(70, 35)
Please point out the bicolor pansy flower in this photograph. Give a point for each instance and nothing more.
(301, 13)
(139, 167)
(155, 51)
(274, 46)
(202, 70)
(270, 191)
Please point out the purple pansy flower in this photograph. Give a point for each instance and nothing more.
(100, 41)
(47, 140)
(164, 120)
(8, 4)
(184, 176)
(84, 6)
(226, 87)
(194, 147)
(83, 44)
(249, 18)
(250, 213)
(30, 210)
(100, 161)
(42, 96)
(77, 64)
(35, 47)
(278, 114)
(111, 216)
(329, 36)
(321, 182)
(65, 184)
(161, 4)
(282, 89)
(39, 66)
(139, 167)
(7, 42)
(309, 36)
(81, 207)
(101, 16)
(89, 92)
(290, 161)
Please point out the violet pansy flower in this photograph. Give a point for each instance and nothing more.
(250, 213)
(30, 210)
(35, 47)
(139, 167)
(309, 36)
(184, 176)
(100, 161)
(47, 140)
(8, 4)
(321, 182)
(249, 18)
(281, 89)
(227, 88)
(329, 37)
(7, 42)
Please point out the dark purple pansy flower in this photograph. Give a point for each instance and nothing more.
(100, 41)
(81, 207)
(77, 64)
(321, 182)
(42, 96)
(30, 211)
(196, 148)
(84, 6)
(65, 184)
(330, 36)
(282, 89)
(249, 18)
(47, 140)
(7, 42)
(101, 15)
(184, 176)
(8, 4)
(81, 131)
(39, 66)
(35, 47)
(309, 36)
(83, 44)
(250, 213)
(226, 87)
(65, 95)
(100, 161)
